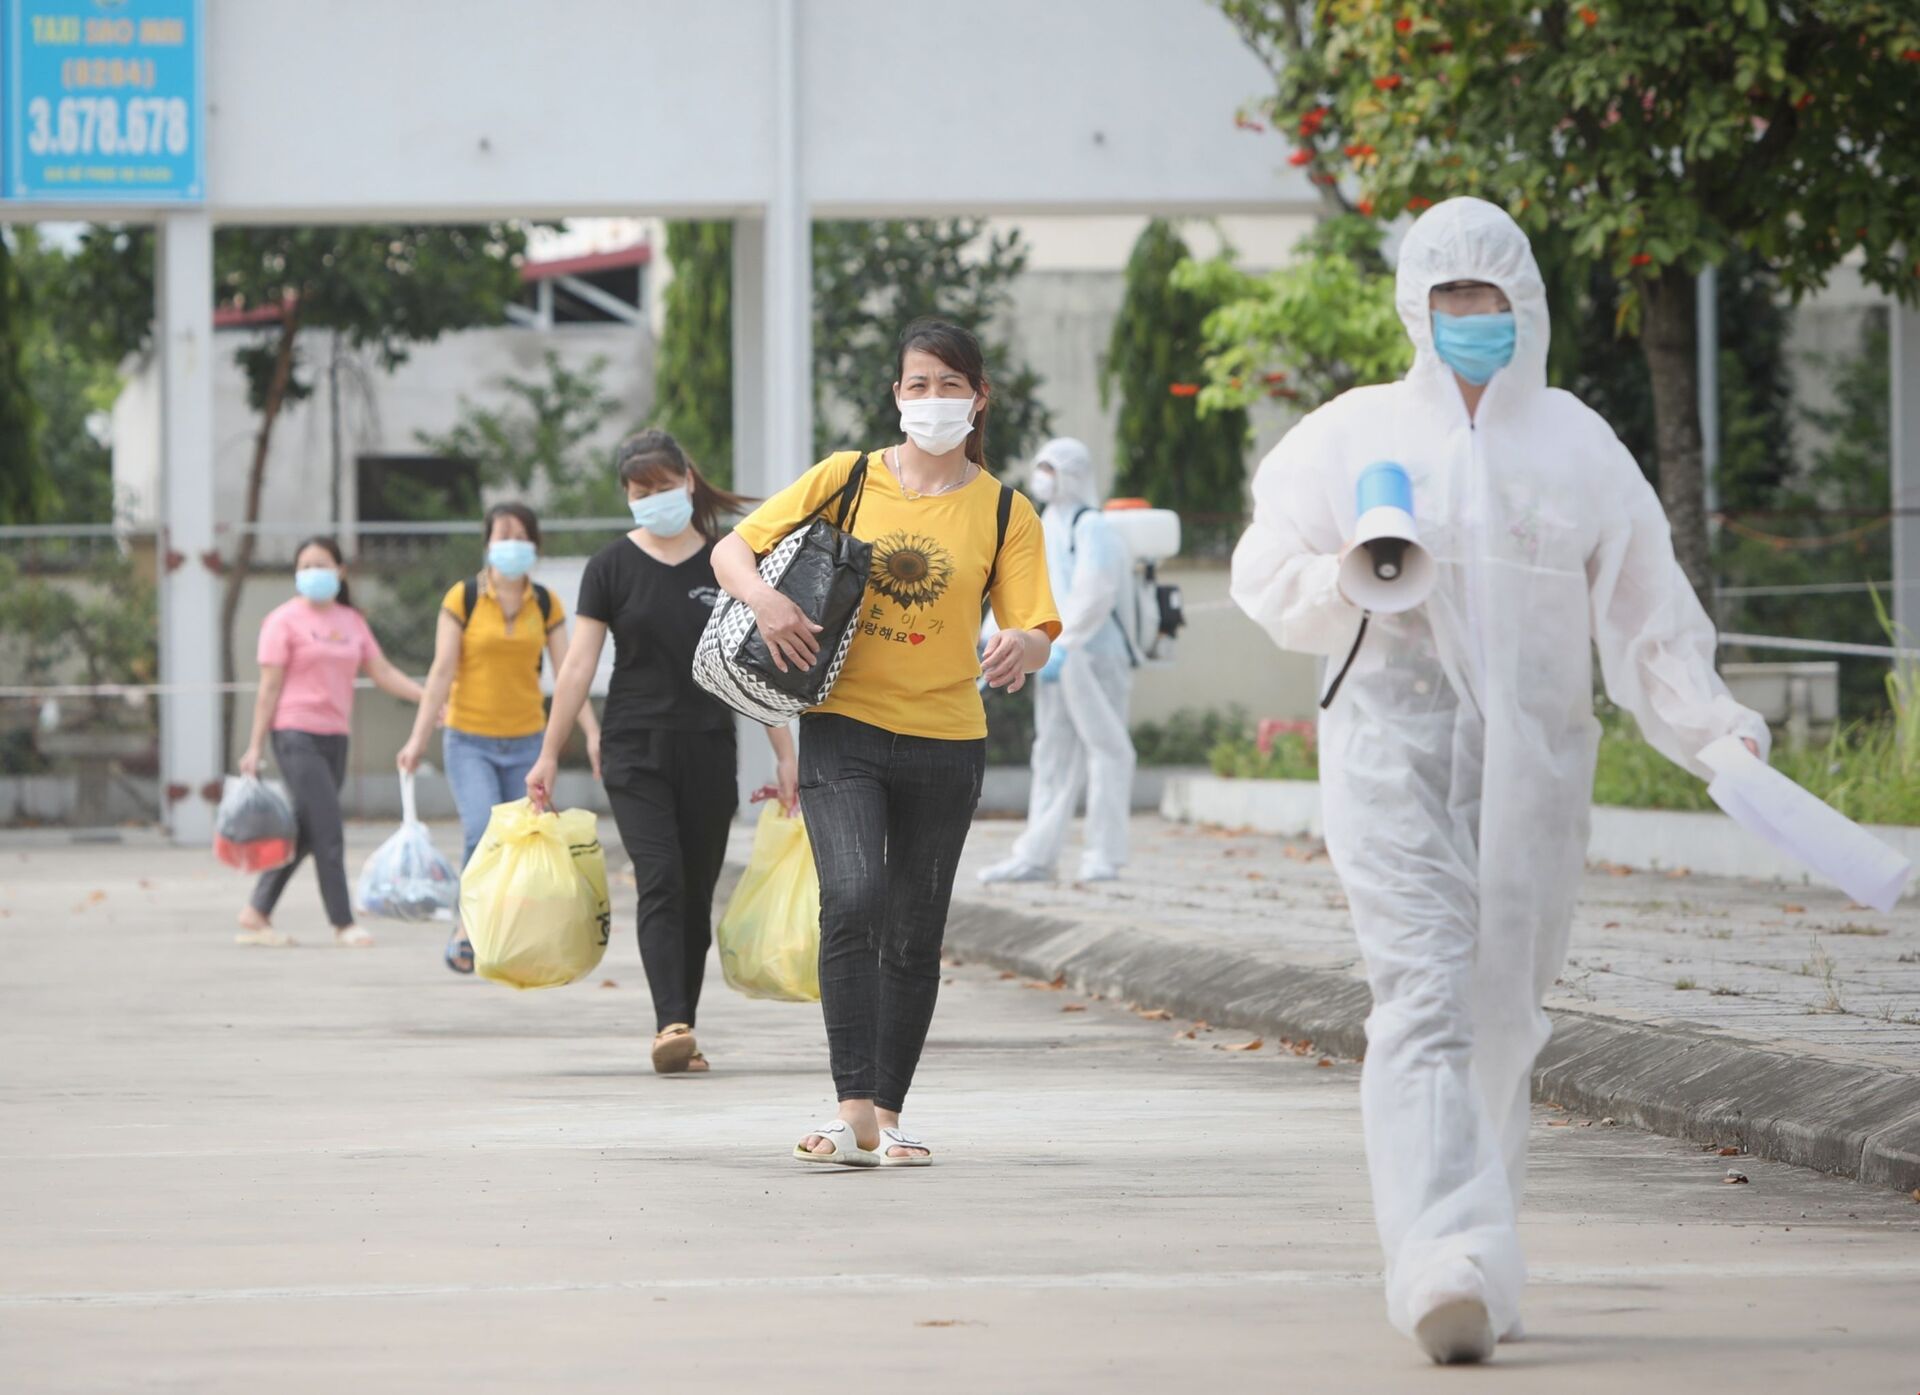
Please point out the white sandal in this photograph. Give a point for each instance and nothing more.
(352, 937)
(895, 1138)
(846, 1151)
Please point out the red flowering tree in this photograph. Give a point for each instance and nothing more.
(1656, 137)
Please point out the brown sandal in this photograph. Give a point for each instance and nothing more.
(674, 1049)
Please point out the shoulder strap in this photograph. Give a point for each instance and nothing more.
(850, 495)
(543, 598)
(1074, 526)
(1002, 516)
(469, 593)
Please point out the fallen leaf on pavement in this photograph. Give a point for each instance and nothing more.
(1006, 974)
(1256, 876)
(1073, 1007)
(145, 885)
(1792, 909)
(1611, 925)
(609, 983)
(1253, 1045)
(1203, 1026)
(1559, 1123)
(1677, 873)
(1187, 1035)
(1155, 1014)
(94, 898)
(949, 1322)
(1324, 1062)
(1734, 1177)
(1729, 1152)
(1609, 1123)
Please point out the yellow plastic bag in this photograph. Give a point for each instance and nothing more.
(534, 898)
(769, 937)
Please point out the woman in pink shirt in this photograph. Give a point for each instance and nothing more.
(311, 650)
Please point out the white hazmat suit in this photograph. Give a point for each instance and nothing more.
(1457, 760)
(1080, 737)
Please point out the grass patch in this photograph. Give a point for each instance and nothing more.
(1685, 985)
(1863, 771)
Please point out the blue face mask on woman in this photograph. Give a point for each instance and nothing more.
(666, 514)
(512, 557)
(1474, 346)
(317, 584)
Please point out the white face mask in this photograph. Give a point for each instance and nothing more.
(1044, 486)
(936, 424)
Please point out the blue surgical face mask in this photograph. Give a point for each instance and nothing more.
(317, 583)
(666, 514)
(1474, 346)
(512, 557)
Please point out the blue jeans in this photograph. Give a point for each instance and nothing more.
(484, 771)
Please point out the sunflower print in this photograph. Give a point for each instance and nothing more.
(910, 570)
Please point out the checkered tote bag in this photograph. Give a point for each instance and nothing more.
(822, 568)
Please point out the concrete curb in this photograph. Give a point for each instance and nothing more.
(1779, 1101)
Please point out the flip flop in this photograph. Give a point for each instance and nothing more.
(674, 1049)
(846, 1152)
(895, 1138)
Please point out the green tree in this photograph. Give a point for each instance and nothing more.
(1306, 332)
(23, 484)
(1165, 449)
(693, 383)
(72, 376)
(869, 280)
(382, 287)
(1659, 136)
(541, 440)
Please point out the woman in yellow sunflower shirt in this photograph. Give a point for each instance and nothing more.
(891, 762)
(494, 629)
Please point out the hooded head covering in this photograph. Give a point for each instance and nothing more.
(1072, 466)
(1472, 240)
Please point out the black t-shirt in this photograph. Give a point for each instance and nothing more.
(655, 614)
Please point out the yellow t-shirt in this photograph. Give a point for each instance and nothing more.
(496, 689)
(913, 668)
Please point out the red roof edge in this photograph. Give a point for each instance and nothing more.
(639, 254)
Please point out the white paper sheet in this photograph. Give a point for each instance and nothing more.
(1766, 803)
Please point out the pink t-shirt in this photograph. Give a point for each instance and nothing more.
(322, 651)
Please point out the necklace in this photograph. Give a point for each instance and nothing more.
(966, 477)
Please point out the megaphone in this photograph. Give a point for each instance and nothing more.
(1387, 571)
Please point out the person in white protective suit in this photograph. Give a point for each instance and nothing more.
(1080, 737)
(1457, 757)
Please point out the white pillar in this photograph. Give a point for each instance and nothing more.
(190, 756)
(787, 276)
(751, 475)
(748, 299)
(1903, 343)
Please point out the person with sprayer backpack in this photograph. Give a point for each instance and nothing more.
(1080, 736)
(1457, 758)
(494, 628)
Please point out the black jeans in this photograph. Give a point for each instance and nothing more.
(888, 816)
(673, 795)
(314, 768)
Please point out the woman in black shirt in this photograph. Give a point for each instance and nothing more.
(667, 751)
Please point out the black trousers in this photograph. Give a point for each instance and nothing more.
(888, 817)
(673, 794)
(314, 767)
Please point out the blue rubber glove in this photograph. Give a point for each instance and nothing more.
(1050, 670)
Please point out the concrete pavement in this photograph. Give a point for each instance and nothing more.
(321, 1169)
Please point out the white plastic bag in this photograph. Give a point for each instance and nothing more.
(406, 878)
(254, 829)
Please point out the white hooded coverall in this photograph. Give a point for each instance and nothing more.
(1457, 761)
(1080, 733)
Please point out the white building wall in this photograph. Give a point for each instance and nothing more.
(380, 414)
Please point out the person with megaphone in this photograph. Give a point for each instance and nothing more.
(1460, 543)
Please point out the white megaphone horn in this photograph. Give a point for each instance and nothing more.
(1387, 571)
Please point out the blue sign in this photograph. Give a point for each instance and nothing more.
(101, 101)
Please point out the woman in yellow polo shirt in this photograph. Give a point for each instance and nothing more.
(494, 628)
(891, 762)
